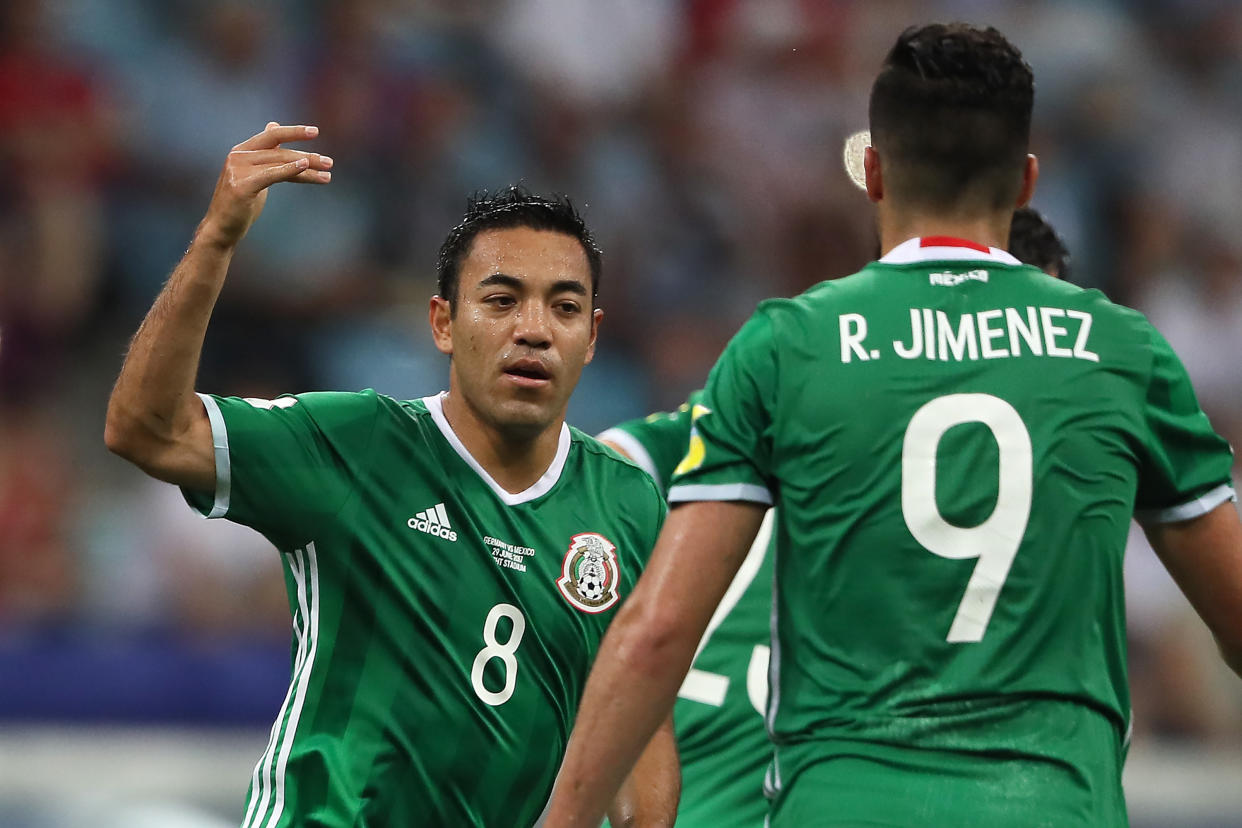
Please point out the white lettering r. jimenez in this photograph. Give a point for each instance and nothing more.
(998, 333)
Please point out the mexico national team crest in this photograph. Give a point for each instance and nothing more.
(589, 575)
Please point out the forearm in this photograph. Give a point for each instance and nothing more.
(650, 794)
(154, 394)
(1204, 556)
(595, 767)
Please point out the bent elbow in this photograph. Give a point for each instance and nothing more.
(118, 435)
(1231, 651)
(125, 435)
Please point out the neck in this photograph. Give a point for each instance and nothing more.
(514, 457)
(991, 230)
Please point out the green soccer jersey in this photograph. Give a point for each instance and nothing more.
(721, 739)
(957, 443)
(444, 627)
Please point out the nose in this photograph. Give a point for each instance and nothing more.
(532, 327)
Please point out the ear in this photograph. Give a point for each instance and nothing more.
(873, 175)
(440, 316)
(1030, 175)
(596, 317)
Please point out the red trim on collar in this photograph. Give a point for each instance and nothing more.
(949, 241)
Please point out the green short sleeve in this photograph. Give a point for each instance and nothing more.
(285, 466)
(1185, 466)
(729, 453)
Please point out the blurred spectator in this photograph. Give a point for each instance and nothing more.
(1195, 301)
(55, 148)
(39, 568)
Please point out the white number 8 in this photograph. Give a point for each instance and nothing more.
(995, 541)
(504, 652)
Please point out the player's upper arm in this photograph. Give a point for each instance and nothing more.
(1204, 556)
(184, 457)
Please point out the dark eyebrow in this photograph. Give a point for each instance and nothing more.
(560, 286)
(502, 279)
(569, 286)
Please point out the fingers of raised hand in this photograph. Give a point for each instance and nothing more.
(262, 168)
(274, 135)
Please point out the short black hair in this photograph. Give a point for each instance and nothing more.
(950, 118)
(514, 206)
(1033, 241)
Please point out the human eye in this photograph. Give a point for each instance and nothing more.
(568, 307)
(500, 300)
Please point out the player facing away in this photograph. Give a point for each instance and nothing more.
(955, 444)
(718, 717)
(451, 561)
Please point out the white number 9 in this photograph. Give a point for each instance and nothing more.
(995, 541)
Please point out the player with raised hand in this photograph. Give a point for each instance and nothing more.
(452, 561)
(718, 718)
(956, 444)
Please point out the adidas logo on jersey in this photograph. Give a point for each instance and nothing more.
(434, 521)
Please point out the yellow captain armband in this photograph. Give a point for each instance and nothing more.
(698, 449)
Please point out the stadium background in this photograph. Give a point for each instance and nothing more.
(144, 651)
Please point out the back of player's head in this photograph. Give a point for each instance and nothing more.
(951, 119)
(514, 206)
(1034, 241)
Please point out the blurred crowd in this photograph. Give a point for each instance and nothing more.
(702, 138)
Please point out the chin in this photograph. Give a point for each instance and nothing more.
(524, 417)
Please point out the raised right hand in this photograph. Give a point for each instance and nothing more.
(252, 166)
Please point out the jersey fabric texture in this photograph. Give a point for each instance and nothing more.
(957, 443)
(443, 627)
(721, 739)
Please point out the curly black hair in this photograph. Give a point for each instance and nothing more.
(514, 206)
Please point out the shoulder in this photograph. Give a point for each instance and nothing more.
(604, 457)
(324, 402)
(605, 463)
(777, 314)
(1123, 320)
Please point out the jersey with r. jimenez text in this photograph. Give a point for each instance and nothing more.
(444, 627)
(956, 444)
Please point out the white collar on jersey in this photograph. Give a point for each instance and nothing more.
(945, 248)
(435, 405)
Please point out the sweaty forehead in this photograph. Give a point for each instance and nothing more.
(526, 254)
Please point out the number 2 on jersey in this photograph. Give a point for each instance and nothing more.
(710, 688)
(506, 652)
(995, 541)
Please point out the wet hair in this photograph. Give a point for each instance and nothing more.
(1033, 241)
(950, 118)
(514, 206)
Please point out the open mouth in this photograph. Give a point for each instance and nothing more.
(528, 372)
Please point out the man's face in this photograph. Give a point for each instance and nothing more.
(523, 330)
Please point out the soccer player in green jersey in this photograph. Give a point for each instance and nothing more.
(718, 717)
(955, 443)
(452, 561)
